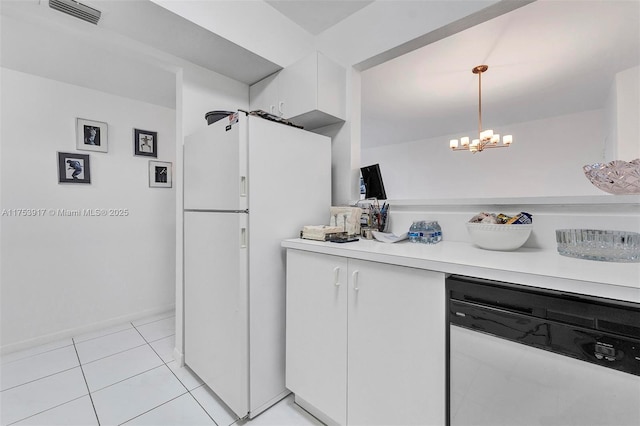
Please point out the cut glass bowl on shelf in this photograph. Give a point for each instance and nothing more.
(593, 244)
(615, 177)
(499, 237)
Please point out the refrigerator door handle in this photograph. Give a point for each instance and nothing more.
(243, 186)
(243, 237)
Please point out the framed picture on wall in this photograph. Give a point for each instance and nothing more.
(145, 143)
(73, 168)
(91, 135)
(160, 174)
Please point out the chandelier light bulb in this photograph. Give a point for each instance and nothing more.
(486, 135)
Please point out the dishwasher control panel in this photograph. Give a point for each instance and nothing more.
(605, 351)
(600, 332)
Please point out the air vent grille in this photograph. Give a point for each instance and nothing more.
(79, 10)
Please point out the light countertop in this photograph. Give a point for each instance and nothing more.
(534, 267)
(581, 201)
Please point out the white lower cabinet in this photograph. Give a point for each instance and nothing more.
(365, 340)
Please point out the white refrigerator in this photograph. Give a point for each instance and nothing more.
(249, 183)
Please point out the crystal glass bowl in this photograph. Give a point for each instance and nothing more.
(616, 177)
(593, 244)
(498, 237)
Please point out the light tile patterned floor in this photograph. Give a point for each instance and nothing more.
(123, 375)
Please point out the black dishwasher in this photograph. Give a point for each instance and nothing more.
(525, 355)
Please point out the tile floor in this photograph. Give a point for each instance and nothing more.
(122, 375)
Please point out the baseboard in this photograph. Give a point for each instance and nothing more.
(268, 404)
(76, 331)
(314, 411)
(178, 356)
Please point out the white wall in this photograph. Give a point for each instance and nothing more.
(611, 123)
(546, 159)
(205, 91)
(198, 92)
(627, 88)
(62, 276)
(623, 109)
(345, 146)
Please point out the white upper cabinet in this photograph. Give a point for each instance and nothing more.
(310, 93)
(264, 95)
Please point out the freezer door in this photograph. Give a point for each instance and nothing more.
(215, 167)
(216, 304)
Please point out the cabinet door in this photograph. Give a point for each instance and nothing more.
(264, 95)
(332, 87)
(298, 87)
(396, 360)
(317, 331)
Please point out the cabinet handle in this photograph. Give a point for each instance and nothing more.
(355, 280)
(336, 275)
(280, 105)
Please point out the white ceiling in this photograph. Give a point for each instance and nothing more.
(134, 50)
(137, 45)
(316, 16)
(545, 59)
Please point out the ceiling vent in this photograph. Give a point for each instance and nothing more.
(79, 10)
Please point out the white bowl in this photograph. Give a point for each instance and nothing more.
(499, 237)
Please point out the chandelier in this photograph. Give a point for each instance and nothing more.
(486, 138)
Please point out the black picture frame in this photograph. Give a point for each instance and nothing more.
(73, 168)
(145, 143)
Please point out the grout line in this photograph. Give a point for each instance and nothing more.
(86, 383)
(98, 337)
(6, 363)
(127, 378)
(80, 364)
(151, 409)
(161, 338)
(115, 353)
(44, 411)
(177, 378)
(158, 355)
(40, 378)
(151, 322)
(145, 339)
(204, 409)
